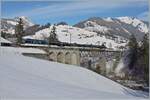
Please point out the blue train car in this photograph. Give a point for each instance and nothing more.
(35, 41)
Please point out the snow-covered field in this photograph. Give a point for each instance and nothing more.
(30, 78)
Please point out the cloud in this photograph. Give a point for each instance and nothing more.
(75, 7)
(143, 16)
(72, 11)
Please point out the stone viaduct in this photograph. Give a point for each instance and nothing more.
(86, 57)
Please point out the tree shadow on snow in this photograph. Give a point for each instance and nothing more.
(136, 93)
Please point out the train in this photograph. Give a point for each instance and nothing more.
(45, 42)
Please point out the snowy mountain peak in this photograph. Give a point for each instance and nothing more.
(135, 22)
(26, 20)
(8, 25)
(119, 26)
(109, 19)
(129, 20)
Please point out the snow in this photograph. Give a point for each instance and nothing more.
(120, 71)
(126, 31)
(135, 22)
(89, 25)
(20, 50)
(125, 19)
(9, 31)
(99, 28)
(26, 77)
(26, 21)
(38, 45)
(78, 35)
(12, 22)
(109, 66)
(4, 40)
(109, 19)
(119, 68)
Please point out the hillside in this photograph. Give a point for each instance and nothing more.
(78, 35)
(26, 77)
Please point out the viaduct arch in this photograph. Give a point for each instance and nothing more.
(64, 55)
(82, 57)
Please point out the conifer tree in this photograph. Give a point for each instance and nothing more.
(133, 50)
(132, 44)
(53, 36)
(145, 57)
(19, 31)
(3, 34)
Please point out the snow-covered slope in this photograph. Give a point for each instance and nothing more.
(30, 78)
(8, 25)
(20, 50)
(93, 26)
(4, 40)
(78, 35)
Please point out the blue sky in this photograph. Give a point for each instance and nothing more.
(73, 11)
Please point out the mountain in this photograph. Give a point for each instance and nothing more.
(140, 25)
(8, 25)
(120, 26)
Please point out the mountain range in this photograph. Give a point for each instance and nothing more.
(113, 32)
(120, 26)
